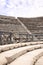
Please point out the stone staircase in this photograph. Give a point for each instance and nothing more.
(35, 25)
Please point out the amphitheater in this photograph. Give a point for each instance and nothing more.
(21, 41)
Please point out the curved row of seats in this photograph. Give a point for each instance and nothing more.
(11, 55)
(36, 58)
(39, 61)
(12, 46)
(28, 58)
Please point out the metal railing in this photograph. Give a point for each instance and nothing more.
(31, 37)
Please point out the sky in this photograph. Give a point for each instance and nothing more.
(21, 8)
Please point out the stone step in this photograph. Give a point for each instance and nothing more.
(12, 46)
(3, 60)
(39, 61)
(15, 53)
(28, 58)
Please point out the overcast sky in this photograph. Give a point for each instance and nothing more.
(22, 8)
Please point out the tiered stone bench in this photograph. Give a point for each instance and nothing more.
(40, 61)
(9, 53)
(28, 58)
(13, 54)
(12, 46)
